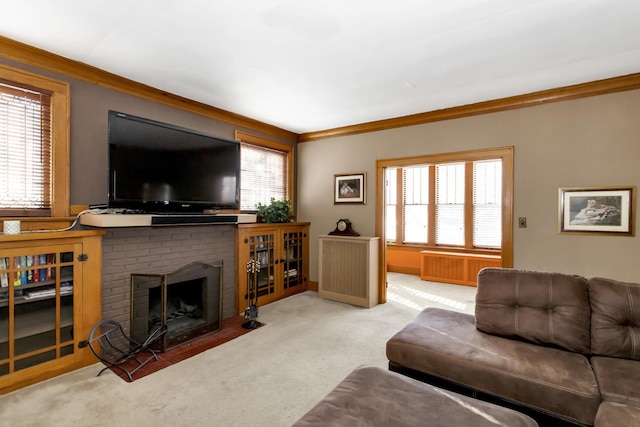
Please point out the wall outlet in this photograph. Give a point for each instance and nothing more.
(522, 222)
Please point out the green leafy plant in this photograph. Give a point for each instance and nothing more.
(276, 211)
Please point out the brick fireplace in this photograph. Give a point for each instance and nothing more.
(161, 250)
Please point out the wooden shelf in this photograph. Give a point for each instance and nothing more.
(29, 236)
(29, 324)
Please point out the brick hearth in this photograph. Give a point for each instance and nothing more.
(163, 250)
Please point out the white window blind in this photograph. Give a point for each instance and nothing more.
(25, 150)
(450, 189)
(263, 175)
(487, 204)
(416, 204)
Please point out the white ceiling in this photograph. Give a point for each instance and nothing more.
(307, 65)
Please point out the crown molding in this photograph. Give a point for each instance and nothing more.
(583, 90)
(29, 55)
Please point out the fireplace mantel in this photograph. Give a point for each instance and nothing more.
(110, 220)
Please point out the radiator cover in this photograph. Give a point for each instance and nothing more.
(349, 269)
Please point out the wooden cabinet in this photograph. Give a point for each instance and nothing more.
(50, 297)
(282, 251)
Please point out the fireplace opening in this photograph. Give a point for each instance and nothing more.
(184, 307)
(187, 302)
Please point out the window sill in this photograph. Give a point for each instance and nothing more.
(418, 247)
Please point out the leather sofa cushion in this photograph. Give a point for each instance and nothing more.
(615, 318)
(539, 307)
(446, 344)
(372, 396)
(612, 414)
(619, 379)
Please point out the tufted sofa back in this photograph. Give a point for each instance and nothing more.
(615, 318)
(539, 307)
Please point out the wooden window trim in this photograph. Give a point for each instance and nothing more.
(468, 206)
(503, 153)
(60, 146)
(274, 145)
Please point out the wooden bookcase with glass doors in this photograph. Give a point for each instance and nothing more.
(50, 297)
(272, 259)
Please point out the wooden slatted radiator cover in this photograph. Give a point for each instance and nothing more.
(455, 267)
(349, 269)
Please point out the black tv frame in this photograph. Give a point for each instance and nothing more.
(170, 169)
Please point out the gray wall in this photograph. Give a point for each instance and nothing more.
(89, 152)
(585, 142)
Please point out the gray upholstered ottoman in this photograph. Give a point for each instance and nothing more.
(371, 396)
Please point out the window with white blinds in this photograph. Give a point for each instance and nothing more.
(264, 174)
(450, 199)
(448, 204)
(25, 150)
(487, 204)
(415, 215)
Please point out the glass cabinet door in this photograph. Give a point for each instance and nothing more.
(260, 273)
(278, 253)
(36, 307)
(293, 251)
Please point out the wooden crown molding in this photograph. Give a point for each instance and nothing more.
(33, 56)
(583, 90)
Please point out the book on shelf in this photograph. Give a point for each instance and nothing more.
(40, 293)
(35, 272)
(4, 277)
(29, 273)
(65, 289)
(16, 276)
(50, 260)
(291, 273)
(43, 271)
(23, 273)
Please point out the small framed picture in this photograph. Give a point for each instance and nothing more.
(350, 188)
(604, 210)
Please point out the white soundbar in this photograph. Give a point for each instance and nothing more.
(107, 220)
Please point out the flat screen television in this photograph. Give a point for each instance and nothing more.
(160, 168)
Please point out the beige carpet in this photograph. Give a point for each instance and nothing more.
(269, 377)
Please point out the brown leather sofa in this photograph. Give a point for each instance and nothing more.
(562, 348)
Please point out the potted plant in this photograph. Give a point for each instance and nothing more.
(276, 211)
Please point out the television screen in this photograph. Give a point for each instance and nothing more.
(157, 167)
